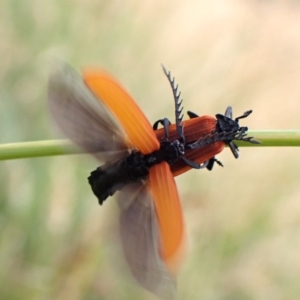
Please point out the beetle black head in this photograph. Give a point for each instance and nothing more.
(231, 129)
(226, 123)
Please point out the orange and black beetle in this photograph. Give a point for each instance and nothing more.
(98, 115)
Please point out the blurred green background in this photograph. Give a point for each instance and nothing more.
(243, 220)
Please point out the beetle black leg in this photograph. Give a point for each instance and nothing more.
(211, 163)
(155, 125)
(218, 162)
(228, 112)
(162, 122)
(192, 115)
(234, 149)
(245, 115)
(195, 165)
(165, 123)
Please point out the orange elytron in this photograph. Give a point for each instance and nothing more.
(97, 114)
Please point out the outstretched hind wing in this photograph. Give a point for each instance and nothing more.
(141, 240)
(152, 231)
(82, 117)
(124, 108)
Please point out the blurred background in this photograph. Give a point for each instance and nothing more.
(243, 220)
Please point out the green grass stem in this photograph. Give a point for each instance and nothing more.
(268, 138)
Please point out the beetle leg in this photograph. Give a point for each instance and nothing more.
(192, 115)
(164, 122)
(155, 125)
(234, 149)
(193, 164)
(245, 115)
(228, 112)
(211, 163)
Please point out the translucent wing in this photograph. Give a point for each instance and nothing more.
(82, 117)
(121, 104)
(141, 240)
(152, 231)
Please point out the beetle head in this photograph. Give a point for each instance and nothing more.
(225, 124)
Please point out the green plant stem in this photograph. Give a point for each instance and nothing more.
(37, 149)
(268, 138)
(273, 138)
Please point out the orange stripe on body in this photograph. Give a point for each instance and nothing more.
(169, 214)
(122, 105)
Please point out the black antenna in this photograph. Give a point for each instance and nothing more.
(178, 108)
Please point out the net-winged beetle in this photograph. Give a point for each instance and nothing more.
(98, 115)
